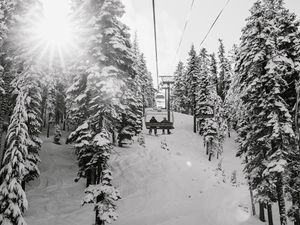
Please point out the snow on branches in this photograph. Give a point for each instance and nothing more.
(104, 196)
(13, 200)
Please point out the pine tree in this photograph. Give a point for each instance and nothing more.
(29, 81)
(109, 66)
(13, 200)
(81, 138)
(204, 104)
(191, 79)
(209, 108)
(143, 79)
(268, 141)
(224, 72)
(179, 90)
(78, 98)
(7, 13)
(214, 70)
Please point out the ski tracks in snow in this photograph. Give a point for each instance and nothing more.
(178, 186)
(55, 198)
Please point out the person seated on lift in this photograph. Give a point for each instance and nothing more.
(153, 120)
(165, 121)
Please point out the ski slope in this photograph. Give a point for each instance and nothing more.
(179, 186)
(172, 185)
(54, 198)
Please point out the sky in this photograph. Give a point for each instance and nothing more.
(171, 16)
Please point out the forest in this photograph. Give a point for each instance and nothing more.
(92, 83)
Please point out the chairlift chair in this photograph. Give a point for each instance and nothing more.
(159, 116)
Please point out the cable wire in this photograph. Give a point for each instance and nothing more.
(155, 42)
(213, 24)
(185, 26)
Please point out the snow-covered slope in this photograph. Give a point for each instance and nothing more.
(179, 186)
(55, 199)
(167, 182)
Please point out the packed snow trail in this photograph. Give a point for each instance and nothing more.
(176, 185)
(167, 182)
(54, 198)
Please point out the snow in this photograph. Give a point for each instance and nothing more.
(179, 186)
(55, 198)
(173, 185)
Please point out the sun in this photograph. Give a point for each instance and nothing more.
(54, 31)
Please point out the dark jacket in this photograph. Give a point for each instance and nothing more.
(153, 120)
(164, 121)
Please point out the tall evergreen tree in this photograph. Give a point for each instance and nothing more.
(192, 79)
(179, 90)
(214, 70)
(209, 108)
(266, 132)
(224, 72)
(13, 200)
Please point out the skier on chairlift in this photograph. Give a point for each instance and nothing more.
(165, 121)
(153, 120)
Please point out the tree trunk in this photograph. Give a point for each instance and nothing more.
(93, 176)
(88, 177)
(23, 185)
(296, 216)
(45, 118)
(120, 143)
(270, 215)
(99, 197)
(262, 212)
(252, 200)
(1, 146)
(298, 197)
(48, 130)
(64, 125)
(97, 219)
(1, 128)
(113, 137)
(210, 156)
(207, 148)
(210, 151)
(280, 199)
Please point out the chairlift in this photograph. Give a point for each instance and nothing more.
(159, 115)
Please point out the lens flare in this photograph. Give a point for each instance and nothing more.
(53, 33)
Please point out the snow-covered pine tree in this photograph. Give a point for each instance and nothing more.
(13, 200)
(81, 138)
(224, 72)
(262, 64)
(109, 63)
(128, 123)
(137, 88)
(214, 70)
(146, 82)
(192, 71)
(180, 91)
(289, 50)
(18, 70)
(60, 104)
(7, 13)
(78, 97)
(204, 102)
(30, 83)
(209, 108)
(101, 192)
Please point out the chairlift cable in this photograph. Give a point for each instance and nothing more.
(213, 24)
(155, 42)
(185, 26)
